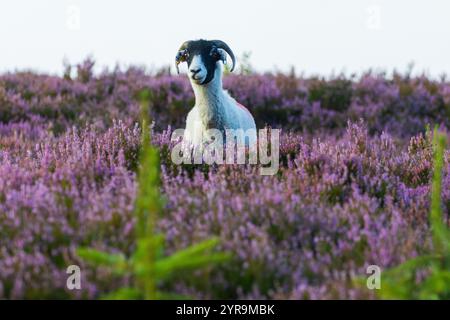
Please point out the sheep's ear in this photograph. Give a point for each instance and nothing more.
(181, 56)
(222, 55)
(219, 54)
(222, 45)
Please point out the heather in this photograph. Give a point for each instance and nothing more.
(399, 104)
(353, 188)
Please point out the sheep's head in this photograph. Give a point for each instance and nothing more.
(202, 57)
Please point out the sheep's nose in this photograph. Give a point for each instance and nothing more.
(195, 71)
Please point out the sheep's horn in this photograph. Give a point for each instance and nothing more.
(224, 46)
(178, 56)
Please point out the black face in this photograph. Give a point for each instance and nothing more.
(209, 54)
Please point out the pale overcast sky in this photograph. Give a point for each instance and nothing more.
(315, 36)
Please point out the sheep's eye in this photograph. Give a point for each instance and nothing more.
(182, 55)
(215, 54)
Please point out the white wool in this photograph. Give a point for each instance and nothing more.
(215, 109)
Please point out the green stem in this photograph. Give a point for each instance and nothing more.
(437, 225)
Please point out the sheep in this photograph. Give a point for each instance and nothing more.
(214, 107)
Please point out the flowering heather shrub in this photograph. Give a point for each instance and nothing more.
(402, 105)
(347, 195)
